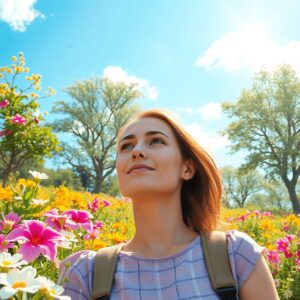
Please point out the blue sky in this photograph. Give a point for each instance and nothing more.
(187, 56)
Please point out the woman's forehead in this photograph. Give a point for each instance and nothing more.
(141, 126)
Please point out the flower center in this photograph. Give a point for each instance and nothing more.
(19, 284)
(6, 263)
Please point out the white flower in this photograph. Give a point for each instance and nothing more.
(69, 238)
(39, 201)
(52, 289)
(38, 175)
(18, 280)
(8, 261)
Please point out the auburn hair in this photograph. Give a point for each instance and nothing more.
(201, 195)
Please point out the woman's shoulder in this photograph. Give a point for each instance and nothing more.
(242, 243)
(77, 264)
(244, 253)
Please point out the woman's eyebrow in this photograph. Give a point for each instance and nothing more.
(153, 132)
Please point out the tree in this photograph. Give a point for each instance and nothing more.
(238, 187)
(98, 110)
(273, 195)
(266, 122)
(22, 136)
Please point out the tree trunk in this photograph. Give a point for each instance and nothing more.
(294, 199)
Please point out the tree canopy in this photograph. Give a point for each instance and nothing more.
(265, 121)
(99, 108)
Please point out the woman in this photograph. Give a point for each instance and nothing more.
(175, 189)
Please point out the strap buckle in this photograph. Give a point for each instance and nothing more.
(227, 293)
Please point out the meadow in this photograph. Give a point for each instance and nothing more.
(40, 226)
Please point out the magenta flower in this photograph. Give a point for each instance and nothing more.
(106, 203)
(4, 245)
(37, 239)
(9, 222)
(17, 119)
(4, 103)
(298, 254)
(288, 254)
(5, 132)
(282, 244)
(273, 256)
(99, 224)
(94, 205)
(78, 219)
(55, 220)
(290, 237)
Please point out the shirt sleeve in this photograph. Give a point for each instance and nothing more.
(76, 275)
(244, 253)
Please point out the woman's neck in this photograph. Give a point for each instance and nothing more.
(160, 230)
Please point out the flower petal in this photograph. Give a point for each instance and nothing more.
(30, 252)
(6, 292)
(49, 250)
(17, 234)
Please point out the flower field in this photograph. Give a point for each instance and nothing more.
(41, 226)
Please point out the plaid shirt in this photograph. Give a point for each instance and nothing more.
(181, 276)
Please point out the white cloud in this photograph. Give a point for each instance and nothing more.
(210, 111)
(117, 74)
(249, 48)
(209, 141)
(18, 13)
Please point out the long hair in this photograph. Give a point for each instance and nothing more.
(201, 195)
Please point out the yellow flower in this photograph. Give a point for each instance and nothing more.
(14, 58)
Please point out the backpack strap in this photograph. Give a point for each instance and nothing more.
(106, 261)
(217, 262)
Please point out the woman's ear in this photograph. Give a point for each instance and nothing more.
(189, 169)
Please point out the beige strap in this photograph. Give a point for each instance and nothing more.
(215, 250)
(104, 271)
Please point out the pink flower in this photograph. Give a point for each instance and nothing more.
(286, 227)
(273, 256)
(288, 254)
(282, 244)
(106, 203)
(298, 254)
(9, 222)
(242, 217)
(290, 237)
(17, 119)
(298, 262)
(77, 219)
(4, 245)
(55, 220)
(5, 132)
(92, 233)
(267, 214)
(38, 239)
(4, 103)
(94, 205)
(257, 212)
(99, 224)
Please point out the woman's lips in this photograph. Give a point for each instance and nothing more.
(139, 168)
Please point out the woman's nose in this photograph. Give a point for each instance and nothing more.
(138, 151)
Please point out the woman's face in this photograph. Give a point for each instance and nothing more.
(149, 159)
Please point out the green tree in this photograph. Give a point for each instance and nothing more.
(237, 186)
(266, 123)
(22, 136)
(99, 108)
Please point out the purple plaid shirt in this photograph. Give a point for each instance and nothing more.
(181, 276)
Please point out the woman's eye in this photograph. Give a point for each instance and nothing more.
(157, 141)
(125, 146)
